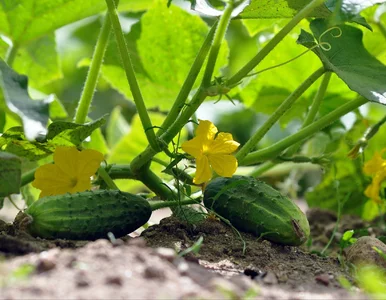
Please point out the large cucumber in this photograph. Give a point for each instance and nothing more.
(255, 207)
(87, 215)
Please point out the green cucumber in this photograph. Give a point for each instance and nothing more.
(255, 207)
(87, 215)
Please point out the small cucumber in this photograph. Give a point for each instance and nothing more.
(255, 207)
(87, 215)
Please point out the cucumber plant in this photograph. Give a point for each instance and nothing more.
(168, 74)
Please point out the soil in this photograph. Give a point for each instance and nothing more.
(227, 266)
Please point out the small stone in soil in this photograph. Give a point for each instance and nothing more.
(114, 280)
(166, 253)
(80, 280)
(151, 272)
(323, 279)
(183, 268)
(44, 265)
(138, 242)
(270, 278)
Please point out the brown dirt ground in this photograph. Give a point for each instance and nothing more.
(143, 268)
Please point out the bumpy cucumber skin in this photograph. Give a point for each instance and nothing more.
(88, 215)
(255, 207)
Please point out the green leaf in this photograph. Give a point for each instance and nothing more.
(14, 141)
(26, 20)
(117, 127)
(280, 9)
(3, 48)
(348, 10)
(59, 133)
(162, 59)
(39, 59)
(33, 113)
(10, 174)
(97, 142)
(69, 134)
(349, 59)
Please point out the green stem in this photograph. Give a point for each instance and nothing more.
(121, 172)
(313, 110)
(107, 179)
(218, 39)
(11, 55)
(28, 176)
(162, 204)
(262, 168)
(155, 184)
(93, 72)
(197, 100)
(130, 74)
(272, 43)
(189, 81)
(287, 103)
(275, 149)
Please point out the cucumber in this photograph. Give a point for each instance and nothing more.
(87, 215)
(255, 207)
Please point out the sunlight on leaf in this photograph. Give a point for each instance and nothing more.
(33, 113)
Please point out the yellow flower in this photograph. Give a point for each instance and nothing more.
(375, 167)
(211, 150)
(71, 171)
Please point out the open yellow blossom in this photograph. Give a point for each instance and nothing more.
(211, 150)
(70, 173)
(376, 167)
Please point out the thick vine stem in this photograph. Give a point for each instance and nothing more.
(276, 149)
(287, 103)
(218, 38)
(155, 184)
(130, 74)
(244, 71)
(93, 72)
(162, 204)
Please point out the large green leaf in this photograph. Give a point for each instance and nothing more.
(161, 58)
(26, 20)
(10, 174)
(39, 60)
(343, 52)
(33, 113)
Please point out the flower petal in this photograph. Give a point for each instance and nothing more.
(82, 185)
(372, 191)
(223, 144)
(88, 162)
(203, 171)
(50, 176)
(206, 130)
(66, 158)
(193, 147)
(223, 164)
(375, 164)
